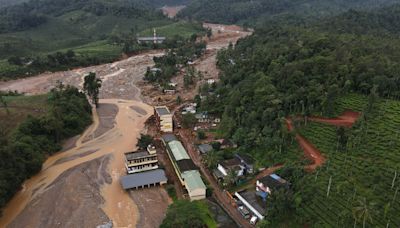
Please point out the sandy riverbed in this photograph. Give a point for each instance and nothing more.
(96, 161)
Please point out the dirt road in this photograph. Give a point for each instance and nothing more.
(219, 194)
(347, 119)
(310, 151)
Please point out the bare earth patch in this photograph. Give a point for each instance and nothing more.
(69, 199)
(152, 204)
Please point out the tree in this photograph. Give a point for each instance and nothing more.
(211, 159)
(201, 135)
(144, 141)
(209, 33)
(231, 178)
(183, 213)
(189, 120)
(178, 100)
(92, 86)
(5, 104)
(363, 211)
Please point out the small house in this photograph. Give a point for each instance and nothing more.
(246, 161)
(249, 200)
(230, 165)
(204, 148)
(202, 117)
(266, 185)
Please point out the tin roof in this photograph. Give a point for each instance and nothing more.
(168, 138)
(178, 150)
(143, 179)
(162, 110)
(193, 180)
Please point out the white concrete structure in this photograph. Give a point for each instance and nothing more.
(164, 118)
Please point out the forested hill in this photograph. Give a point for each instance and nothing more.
(5, 3)
(241, 11)
(283, 71)
(160, 3)
(385, 21)
(36, 12)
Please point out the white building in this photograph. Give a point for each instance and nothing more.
(164, 118)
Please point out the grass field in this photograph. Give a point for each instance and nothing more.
(368, 169)
(182, 28)
(19, 107)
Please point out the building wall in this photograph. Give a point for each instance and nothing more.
(197, 194)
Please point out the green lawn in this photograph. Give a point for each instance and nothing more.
(181, 28)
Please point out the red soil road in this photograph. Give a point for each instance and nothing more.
(310, 151)
(347, 119)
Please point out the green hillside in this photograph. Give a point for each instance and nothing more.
(95, 30)
(284, 70)
(382, 22)
(366, 169)
(259, 11)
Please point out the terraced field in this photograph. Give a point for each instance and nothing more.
(368, 169)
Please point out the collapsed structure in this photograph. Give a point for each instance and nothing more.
(185, 169)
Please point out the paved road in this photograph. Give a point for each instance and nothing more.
(219, 194)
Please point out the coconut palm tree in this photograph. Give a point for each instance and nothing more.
(5, 105)
(363, 211)
(92, 86)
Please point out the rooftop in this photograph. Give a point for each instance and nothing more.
(178, 150)
(273, 181)
(186, 165)
(137, 154)
(143, 179)
(205, 148)
(231, 162)
(162, 110)
(150, 38)
(256, 203)
(245, 158)
(193, 180)
(169, 138)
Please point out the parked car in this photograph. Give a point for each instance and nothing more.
(253, 220)
(244, 212)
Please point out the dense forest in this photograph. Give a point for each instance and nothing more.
(259, 11)
(24, 149)
(284, 70)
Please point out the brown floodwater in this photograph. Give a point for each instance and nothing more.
(118, 206)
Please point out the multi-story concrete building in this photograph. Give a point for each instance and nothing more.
(139, 161)
(164, 118)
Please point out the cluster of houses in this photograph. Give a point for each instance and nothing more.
(143, 169)
(252, 204)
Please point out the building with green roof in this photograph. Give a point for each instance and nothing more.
(185, 169)
(178, 151)
(194, 185)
